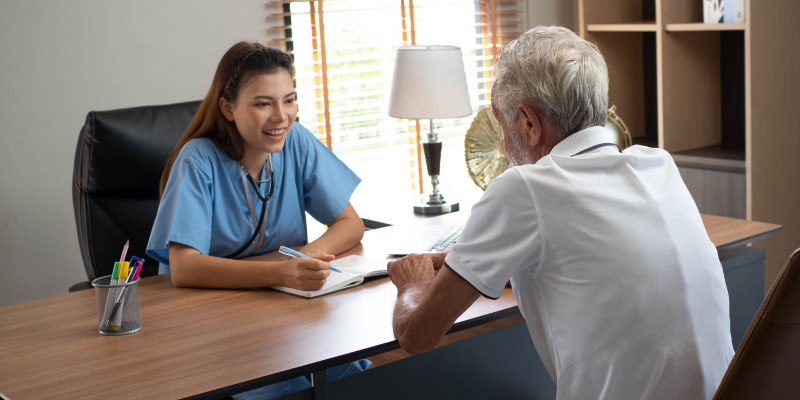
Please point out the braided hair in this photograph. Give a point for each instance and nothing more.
(259, 59)
(239, 64)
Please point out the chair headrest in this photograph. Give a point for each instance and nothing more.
(123, 152)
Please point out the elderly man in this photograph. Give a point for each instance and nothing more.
(619, 284)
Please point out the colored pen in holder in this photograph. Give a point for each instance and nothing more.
(117, 306)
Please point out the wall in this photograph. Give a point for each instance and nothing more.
(60, 60)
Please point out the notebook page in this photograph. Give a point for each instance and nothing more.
(361, 266)
(336, 281)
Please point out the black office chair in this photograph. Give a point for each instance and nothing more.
(118, 164)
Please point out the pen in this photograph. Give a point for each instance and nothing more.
(115, 319)
(124, 251)
(112, 293)
(292, 253)
(136, 270)
(136, 266)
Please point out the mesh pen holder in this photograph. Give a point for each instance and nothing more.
(118, 310)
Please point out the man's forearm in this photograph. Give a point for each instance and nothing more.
(427, 303)
(408, 300)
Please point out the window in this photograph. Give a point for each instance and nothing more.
(344, 54)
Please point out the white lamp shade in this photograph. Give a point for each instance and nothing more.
(429, 83)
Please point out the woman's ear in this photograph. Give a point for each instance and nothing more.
(227, 108)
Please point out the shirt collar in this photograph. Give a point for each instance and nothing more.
(582, 140)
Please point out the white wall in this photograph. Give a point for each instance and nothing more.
(58, 61)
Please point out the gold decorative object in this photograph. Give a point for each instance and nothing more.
(486, 158)
(614, 123)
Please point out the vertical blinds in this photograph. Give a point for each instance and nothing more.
(344, 54)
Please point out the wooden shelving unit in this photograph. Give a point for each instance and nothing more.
(666, 70)
(721, 98)
(699, 26)
(646, 26)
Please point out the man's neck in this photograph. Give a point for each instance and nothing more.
(546, 144)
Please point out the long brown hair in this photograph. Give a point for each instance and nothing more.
(237, 66)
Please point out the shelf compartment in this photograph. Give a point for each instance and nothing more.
(645, 141)
(617, 12)
(645, 26)
(701, 27)
(716, 157)
(691, 91)
(628, 74)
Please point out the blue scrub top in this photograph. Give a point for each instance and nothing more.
(204, 204)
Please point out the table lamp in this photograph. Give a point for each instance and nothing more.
(430, 83)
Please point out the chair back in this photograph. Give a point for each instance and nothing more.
(767, 362)
(118, 164)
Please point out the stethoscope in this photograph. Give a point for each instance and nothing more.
(597, 146)
(260, 223)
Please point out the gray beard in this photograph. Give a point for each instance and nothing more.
(520, 153)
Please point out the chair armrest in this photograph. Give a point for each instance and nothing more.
(370, 224)
(80, 286)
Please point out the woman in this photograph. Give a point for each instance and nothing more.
(239, 183)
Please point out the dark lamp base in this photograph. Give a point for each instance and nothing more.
(423, 206)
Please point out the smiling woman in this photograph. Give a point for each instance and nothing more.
(243, 153)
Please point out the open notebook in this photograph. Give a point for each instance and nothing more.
(354, 270)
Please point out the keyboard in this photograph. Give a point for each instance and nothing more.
(447, 239)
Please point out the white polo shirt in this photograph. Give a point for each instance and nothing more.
(612, 268)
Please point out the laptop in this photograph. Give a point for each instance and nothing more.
(402, 240)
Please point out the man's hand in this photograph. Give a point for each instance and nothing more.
(438, 260)
(413, 271)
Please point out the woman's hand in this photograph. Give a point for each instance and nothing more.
(316, 253)
(305, 273)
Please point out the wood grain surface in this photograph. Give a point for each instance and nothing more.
(727, 232)
(193, 341)
(774, 143)
(199, 340)
(691, 92)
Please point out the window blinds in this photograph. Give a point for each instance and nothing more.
(344, 57)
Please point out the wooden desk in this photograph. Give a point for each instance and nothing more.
(199, 343)
(724, 232)
(727, 233)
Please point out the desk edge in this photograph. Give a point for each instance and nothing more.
(332, 362)
(749, 239)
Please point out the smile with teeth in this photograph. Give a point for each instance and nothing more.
(274, 132)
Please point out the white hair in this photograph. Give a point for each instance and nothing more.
(553, 70)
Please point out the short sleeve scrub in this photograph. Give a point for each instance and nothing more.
(204, 206)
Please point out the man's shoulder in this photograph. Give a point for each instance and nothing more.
(509, 180)
(635, 156)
